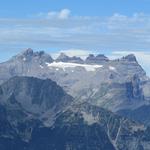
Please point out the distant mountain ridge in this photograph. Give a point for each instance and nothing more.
(64, 58)
(116, 85)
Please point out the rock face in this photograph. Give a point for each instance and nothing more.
(29, 56)
(112, 84)
(133, 89)
(25, 104)
(34, 96)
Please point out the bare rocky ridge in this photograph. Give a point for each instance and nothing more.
(73, 126)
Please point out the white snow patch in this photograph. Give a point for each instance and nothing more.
(89, 118)
(57, 69)
(112, 68)
(24, 59)
(64, 65)
(41, 66)
(140, 127)
(95, 90)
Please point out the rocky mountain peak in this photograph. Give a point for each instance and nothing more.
(90, 57)
(43, 57)
(64, 58)
(29, 55)
(130, 58)
(40, 53)
(28, 52)
(100, 58)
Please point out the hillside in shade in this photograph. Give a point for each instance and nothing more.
(54, 121)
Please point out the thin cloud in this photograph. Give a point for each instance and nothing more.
(73, 52)
(61, 29)
(62, 14)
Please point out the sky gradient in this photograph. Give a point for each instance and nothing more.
(115, 28)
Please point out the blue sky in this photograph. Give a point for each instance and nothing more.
(115, 27)
(17, 8)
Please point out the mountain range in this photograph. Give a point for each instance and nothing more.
(69, 103)
(118, 85)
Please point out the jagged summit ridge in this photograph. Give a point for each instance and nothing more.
(27, 52)
(29, 55)
(130, 58)
(64, 58)
(100, 58)
(91, 58)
